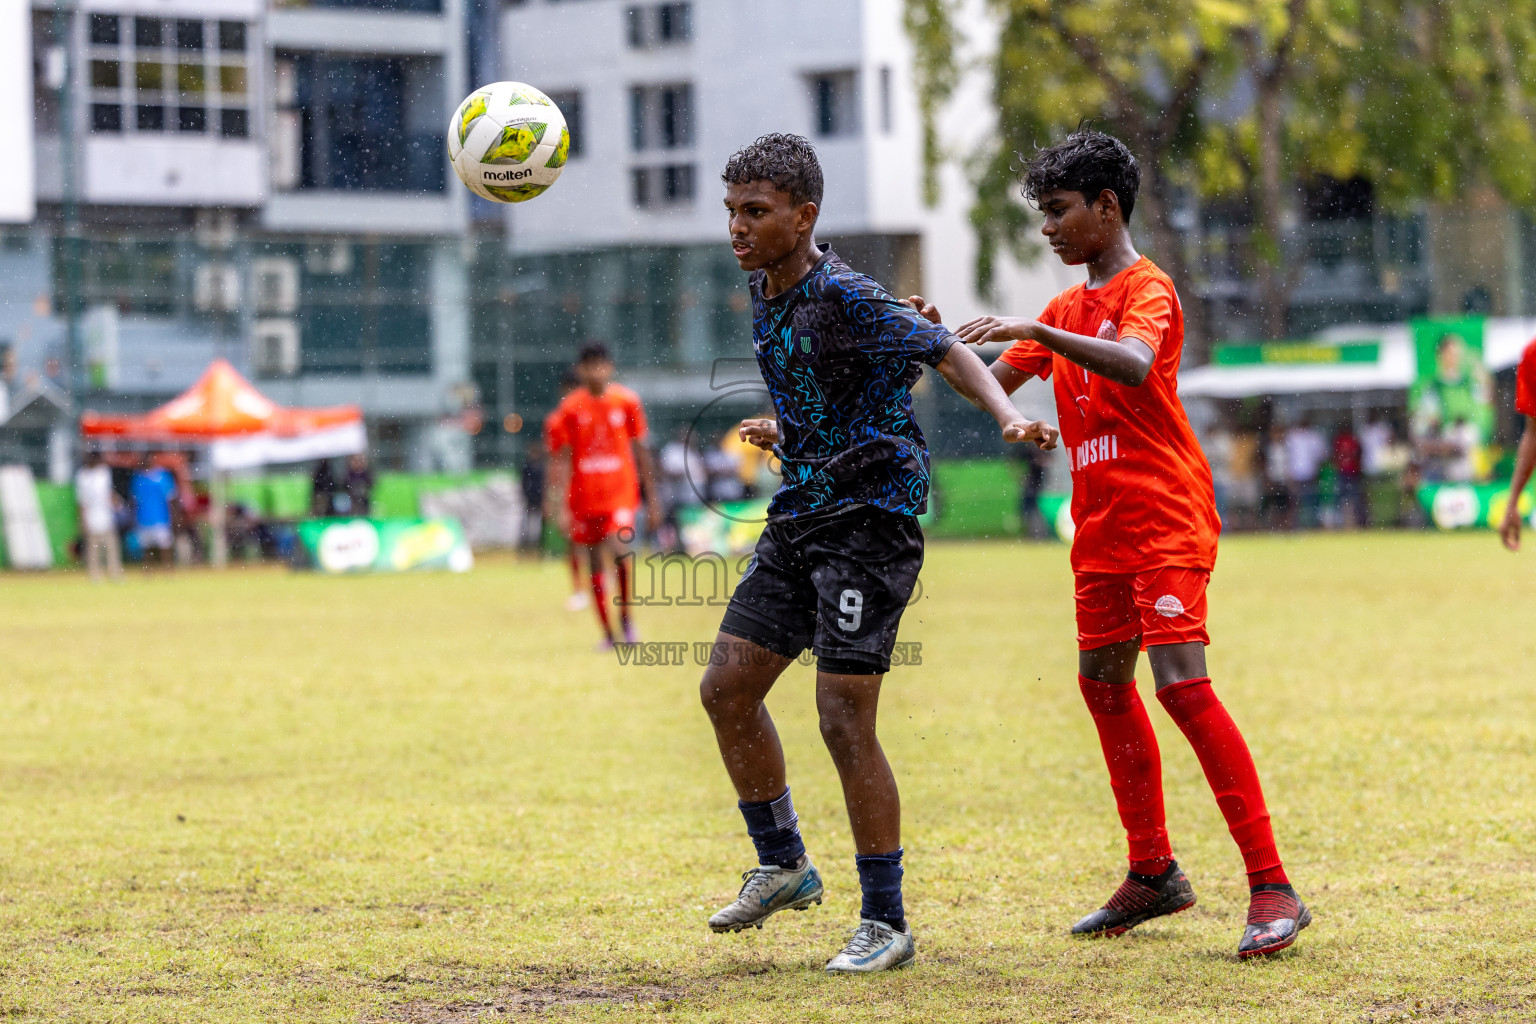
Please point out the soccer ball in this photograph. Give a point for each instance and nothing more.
(508, 142)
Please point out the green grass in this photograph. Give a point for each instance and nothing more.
(274, 797)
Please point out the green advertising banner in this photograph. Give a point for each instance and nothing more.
(1296, 353)
(1453, 387)
(385, 545)
(728, 528)
(1472, 506)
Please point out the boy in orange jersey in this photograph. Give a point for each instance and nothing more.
(1525, 457)
(1145, 545)
(597, 440)
(579, 598)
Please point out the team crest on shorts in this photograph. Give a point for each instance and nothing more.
(1169, 606)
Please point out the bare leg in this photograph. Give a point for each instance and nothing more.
(733, 695)
(1174, 663)
(1113, 663)
(847, 705)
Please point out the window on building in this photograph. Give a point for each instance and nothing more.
(661, 116)
(370, 123)
(835, 104)
(104, 29)
(674, 23)
(569, 103)
(667, 24)
(665, 185)
(166, 73)
(106, 117)
(146, 32)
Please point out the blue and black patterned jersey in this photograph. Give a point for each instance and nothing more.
(840, 355)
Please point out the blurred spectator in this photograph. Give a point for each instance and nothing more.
(675, 485)
(722, 468)
(153, 489)
(1459, 451)
(1275, 505)
(98, 518)
(1218, 453)
(1033, 520)
(241, 527)
(1305, 451)
(752, 464)
(322, 491)
(1376, 441)
(1244, 479)
(357, 486)
(1348, 464)
(531, 480)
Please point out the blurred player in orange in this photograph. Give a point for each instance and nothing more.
(579, 598)
(598, 460)
(1525, 458)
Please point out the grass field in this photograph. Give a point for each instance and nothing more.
(273, 797)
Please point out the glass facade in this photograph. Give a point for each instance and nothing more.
(659, 309)
(365, 123)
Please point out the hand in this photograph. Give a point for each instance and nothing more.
(563, 520)
(763, 432)
(1040, 432)
(985, 329)
(925, 309)
(1509, 530)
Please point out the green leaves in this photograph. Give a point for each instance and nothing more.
(1239, 101)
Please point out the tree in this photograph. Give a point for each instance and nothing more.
(1244, 101)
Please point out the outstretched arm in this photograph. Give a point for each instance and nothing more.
(1010, 377)
(1125, 361)
(1525, 461)
(969, 376)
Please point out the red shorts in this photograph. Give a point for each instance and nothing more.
(1161, 606)
(594, 528)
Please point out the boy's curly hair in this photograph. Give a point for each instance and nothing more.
(1087, 161)
(789, 161)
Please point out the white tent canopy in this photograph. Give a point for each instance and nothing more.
(1395, 369)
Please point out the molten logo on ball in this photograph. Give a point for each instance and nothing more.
(508, 142)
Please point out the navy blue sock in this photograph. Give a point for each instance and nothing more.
(880, 878)
(775, 830)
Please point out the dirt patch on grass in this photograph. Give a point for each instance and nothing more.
(1440, 1010)
(528, 1000)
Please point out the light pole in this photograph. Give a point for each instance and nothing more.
(74, 371)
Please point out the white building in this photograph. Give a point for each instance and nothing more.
(262, 180)
(664, 92)
(660, 94)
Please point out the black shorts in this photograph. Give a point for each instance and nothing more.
(835, 583)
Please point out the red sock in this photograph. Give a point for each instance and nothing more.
(621, 568)
(600, 603)
(1135, 770)
(1229, 769)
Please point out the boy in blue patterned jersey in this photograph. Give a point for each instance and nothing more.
(840, 553)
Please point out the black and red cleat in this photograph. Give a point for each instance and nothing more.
(1276, 916)
(1136, 901)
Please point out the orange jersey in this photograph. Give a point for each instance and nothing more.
(1525, 382)
(599, 431)
(1141, 488)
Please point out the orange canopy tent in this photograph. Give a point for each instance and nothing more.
(241, 427)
